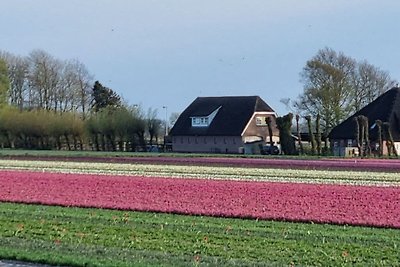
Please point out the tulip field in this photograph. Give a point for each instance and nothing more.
(95, 211)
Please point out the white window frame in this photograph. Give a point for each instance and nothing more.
(199, 121)
(204, 121)
(349, 142)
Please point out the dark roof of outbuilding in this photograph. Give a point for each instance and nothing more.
(231, 119)
(385, 108)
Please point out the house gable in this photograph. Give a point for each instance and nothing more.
(385, 108)
(259, 119)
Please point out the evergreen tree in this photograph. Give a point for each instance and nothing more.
(103, 97)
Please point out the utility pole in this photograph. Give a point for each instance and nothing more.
(166, 120)
(166, 128)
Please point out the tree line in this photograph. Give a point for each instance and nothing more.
(50, 103)
(334, 87)
(47, 103)
(41, 81)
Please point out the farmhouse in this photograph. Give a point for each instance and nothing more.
(230, 124)
(385, 109)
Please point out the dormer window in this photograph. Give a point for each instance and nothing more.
(204, 121)
(200, 121)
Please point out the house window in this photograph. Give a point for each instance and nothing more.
(261, 121)
(335, 144)
(234, 141)
(349, 142)
(200, 121)
(397, 146)
(224, 140)
(204, 121)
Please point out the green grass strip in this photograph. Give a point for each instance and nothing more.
(111, 154)
(96, 237)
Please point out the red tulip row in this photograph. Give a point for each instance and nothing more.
(355, 205)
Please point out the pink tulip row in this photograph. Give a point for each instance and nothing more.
(355, 205)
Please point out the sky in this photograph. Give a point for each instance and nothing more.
(166, 53)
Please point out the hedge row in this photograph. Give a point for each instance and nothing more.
(108, 130)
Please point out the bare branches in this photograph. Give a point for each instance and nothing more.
(40, 81)
(335, 86)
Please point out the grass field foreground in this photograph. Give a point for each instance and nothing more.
(97, 237)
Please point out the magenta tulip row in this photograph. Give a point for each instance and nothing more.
(336, 204)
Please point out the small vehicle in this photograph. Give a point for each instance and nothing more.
(270, 150)
(152, 148)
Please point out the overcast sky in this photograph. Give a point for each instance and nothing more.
(168, 52)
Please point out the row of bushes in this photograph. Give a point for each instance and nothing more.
(108, 130)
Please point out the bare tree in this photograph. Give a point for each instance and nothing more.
(357, 134)
(284, 124)
(369, 82)
(173, 118)
(42, 81)
(301, 150)
(44, 78)
(389, 139)
(4, 82)
(65, 98)
(74, 88)
(17, 73)
(154, 125)
(268, 121)
(311, 134)
(361, 124)
(367, 141)
(336, 85)
(318, 133)
(83, 89)
(380, 141)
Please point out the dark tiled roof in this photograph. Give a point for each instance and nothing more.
(385, 108)
(231, 119)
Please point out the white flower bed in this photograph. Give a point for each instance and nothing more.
(206, 172)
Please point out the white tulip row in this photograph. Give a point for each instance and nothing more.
(207, 172)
